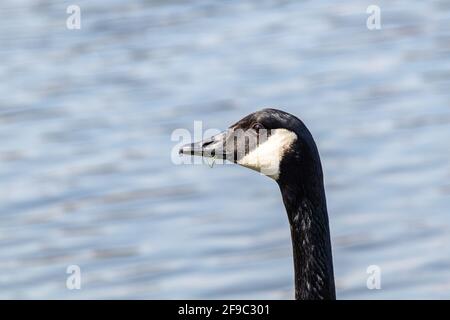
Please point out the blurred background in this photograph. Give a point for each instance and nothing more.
(86, 117)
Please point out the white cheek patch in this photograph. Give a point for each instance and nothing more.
(267, 156)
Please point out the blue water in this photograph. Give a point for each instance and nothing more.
(86, 116)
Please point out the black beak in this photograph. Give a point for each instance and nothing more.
(213, 147)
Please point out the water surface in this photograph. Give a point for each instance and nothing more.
(86, 118)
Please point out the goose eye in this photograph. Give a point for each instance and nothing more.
(258, 126)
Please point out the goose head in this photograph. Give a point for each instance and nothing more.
(270, 141)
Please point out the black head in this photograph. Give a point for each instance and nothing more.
(271, 119)
(270, 141)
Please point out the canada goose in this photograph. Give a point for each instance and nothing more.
(280, 146)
